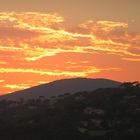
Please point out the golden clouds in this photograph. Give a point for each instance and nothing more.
(103, 25)
(17, 87)
(56, 72)
(29, 20)
(33, 43)
(36, 35)
(132, 59)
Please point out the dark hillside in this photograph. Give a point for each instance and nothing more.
(103, 114)
(61, 87)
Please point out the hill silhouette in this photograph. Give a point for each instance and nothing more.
(102, 114)
(61, 87)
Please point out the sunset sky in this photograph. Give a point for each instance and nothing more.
(46, 40)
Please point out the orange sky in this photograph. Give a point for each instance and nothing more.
(38, 47)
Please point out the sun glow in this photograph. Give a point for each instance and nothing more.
(38, 45)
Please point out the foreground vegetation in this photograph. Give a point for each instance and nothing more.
(103, 114)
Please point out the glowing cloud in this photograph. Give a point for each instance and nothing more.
(86, 70)
(17, 87)
(34, 43)
(48, 37)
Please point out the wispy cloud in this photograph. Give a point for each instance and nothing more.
(35, 35)
(86, 70)
(17, 86)
(34, 43)
(1, 81)
(132, 59)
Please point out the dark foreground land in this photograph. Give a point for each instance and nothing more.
(104, 114)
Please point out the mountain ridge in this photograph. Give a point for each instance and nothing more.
(60, 87)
